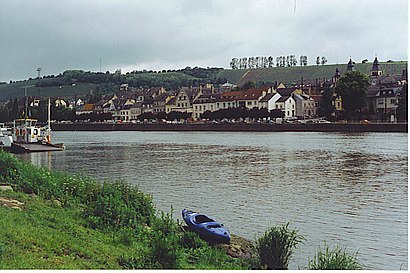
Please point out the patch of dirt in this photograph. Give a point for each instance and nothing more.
(11, 203)
(239, 247)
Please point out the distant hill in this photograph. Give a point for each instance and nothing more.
(287, 75)
(294, 74)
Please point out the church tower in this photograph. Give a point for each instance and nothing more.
(350, 65)
(376, 70)
(337, 75)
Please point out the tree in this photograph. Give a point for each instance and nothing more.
(326, 108)
(248, 85)
(352, 88)
(317, 60)
(303, 60)
(402, 105)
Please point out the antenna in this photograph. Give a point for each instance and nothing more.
(294, 7)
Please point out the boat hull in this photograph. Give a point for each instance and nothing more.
(207, 228)
(35, 147)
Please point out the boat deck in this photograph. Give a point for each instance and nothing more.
(34, 147)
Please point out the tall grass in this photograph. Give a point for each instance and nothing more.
(276, 247)
(108, 205)
(334, 259)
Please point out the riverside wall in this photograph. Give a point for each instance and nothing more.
(238, 127)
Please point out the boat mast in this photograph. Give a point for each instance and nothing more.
(25, 112)
(49, 114)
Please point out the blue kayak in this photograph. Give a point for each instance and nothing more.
(207, 228)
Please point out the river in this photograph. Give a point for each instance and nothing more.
(346, 189)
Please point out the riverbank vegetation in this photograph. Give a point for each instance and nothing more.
(51, 220)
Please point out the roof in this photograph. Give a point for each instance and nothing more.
(254, 93)
(376, 65)
(286, 91)
(267, 97)
(283, 99)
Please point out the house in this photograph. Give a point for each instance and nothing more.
(183, 101)
(227, 87)
(288, 105)
(203, 103)
(124, 87)
(60, 103)
(269, 100)
(305, 106)
(251, 97)
(125, 113)
(160, 101)
(86, 109)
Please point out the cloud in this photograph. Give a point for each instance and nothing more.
(137, 34)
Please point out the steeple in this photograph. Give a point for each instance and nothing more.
(337, 75)
(350, 65)
(376, 70)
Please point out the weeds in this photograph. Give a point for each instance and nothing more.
(335, 259)
(275, 248)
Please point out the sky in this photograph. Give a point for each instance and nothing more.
(159, 34)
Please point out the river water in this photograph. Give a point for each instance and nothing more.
(346, 189)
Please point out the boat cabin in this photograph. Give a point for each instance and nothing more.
(26, 131)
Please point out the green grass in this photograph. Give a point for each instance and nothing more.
(276, 247)
(334, 259)
(16, 90)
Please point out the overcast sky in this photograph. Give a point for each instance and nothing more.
(160, 34)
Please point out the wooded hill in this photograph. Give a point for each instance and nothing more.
(77, 82)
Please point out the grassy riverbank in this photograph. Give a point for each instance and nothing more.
(56, 221)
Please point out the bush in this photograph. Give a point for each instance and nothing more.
(191, 240)
(164, 242)
(276, 246)
(118, 205)
(335, 259)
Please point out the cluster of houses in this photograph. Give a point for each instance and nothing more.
(297, 101)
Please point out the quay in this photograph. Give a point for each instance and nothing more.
(236, 127)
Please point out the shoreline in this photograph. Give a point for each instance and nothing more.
(238, 127)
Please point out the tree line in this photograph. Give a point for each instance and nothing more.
(267, 62)
(169, 79)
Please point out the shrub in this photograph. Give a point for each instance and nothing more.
(275, 248)
(118, 205)
(334, 259)
(164, 242)
(191, 240)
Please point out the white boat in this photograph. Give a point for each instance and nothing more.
(28, 137)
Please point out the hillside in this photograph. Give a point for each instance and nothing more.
(173, 79)
(294, 74)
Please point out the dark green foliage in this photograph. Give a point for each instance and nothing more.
(335, 259)
(352, 88)
(164, 242)
(118, 205)
(275, 248)
(2, 250)
(191, 240)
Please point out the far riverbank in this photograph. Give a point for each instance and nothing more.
(239, 127)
